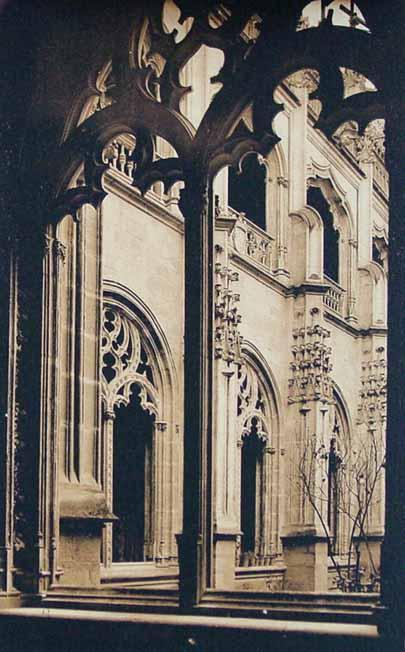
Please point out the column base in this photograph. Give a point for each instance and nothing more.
(80, 552)
(11, 599)
(224, 559)
(306, 558)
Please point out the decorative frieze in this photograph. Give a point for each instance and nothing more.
(311, 366)
(227, 317)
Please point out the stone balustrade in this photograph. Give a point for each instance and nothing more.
(251, 240)
(333, 298)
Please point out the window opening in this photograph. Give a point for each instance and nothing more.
(247, 190)
(316, 199)
(379, 252)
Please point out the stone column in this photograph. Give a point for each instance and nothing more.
(282, 227)
(304, 537)
(31, 543)
(108, 438)
(53, 269)
(161, 493)
(195, 541)
(270, 508)
(9, 345)
(297, 137)
(351, 284)
(83, 503)
(227, 359)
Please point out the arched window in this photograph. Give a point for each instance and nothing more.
(131, 405)
(316, 199)
(138, 440)
(257, 426)
(247, 190)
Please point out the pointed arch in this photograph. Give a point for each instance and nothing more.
(117, 294)
(259, 461)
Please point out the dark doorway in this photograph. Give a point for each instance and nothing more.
(251, 482)
(132, 482)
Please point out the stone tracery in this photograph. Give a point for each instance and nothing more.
(125, 362)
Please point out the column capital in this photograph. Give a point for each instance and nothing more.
(109, 415)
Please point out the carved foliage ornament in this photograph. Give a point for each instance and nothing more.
(373, 393)
(311, 366)
(227, 317)
(125, 363)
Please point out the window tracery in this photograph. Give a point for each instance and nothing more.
(125, 363)
(253, 408)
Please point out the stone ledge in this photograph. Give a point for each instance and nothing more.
(179, 621)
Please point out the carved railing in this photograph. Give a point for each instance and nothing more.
(334, 296)
(251, 240)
